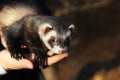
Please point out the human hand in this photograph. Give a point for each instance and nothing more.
(9, 63)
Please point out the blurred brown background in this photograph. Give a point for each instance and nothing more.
(95, 48)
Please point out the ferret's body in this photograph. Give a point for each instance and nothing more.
(22, 25)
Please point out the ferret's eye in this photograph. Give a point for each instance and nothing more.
(52, 39)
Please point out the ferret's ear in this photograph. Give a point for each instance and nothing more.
(45, 28)
(71, 27)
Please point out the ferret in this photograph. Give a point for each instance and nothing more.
(27, 30)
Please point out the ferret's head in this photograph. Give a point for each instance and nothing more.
(55, 33)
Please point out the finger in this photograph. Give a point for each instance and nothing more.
(24, 63)
(56, 58)
(20, 64)
(10, 63)
(50, 53)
